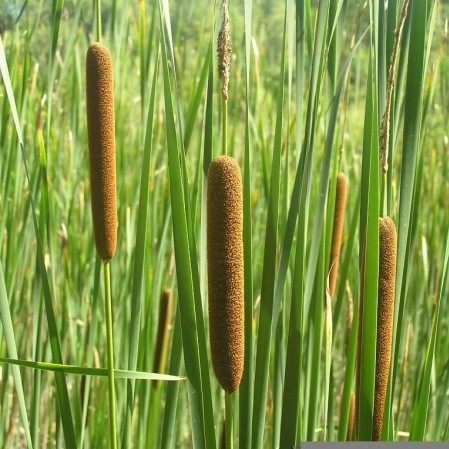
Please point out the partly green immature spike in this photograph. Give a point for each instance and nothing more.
(385, 310)
(100, 126)
(339, 217)
(225, 270)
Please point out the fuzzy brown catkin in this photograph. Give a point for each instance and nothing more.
(385, 310)
(339, 216)
(225, 270)
(100, 127)
(165, 314)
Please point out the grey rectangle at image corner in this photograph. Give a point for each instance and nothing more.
(373, 445)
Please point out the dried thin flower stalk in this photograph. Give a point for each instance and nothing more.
(385, 124)
(224, 50)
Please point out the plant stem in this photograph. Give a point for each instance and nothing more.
(383, 197)
(224, 104)
(98, 5)
(228, 421)
(110, 349)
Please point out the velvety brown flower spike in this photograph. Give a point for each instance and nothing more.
(101, 133)
(225, 270)
(385, 310)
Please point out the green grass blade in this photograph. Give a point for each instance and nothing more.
(349, 376)
(56, 12)
(171, 398)
(318, 223)
(196, 101)
(268, 275)
(421, 406)
(208, 412)
(86, 371)
(183, 268)
(291, 394)
(139, 257)
(246, 391)
(8, 330)
(412, 117)
(316, 336)
(369, 263)
(310, 129)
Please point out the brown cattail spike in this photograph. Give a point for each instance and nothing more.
(339, 217)
(100, 126)
(385, 310)
(351, 418)
(225, 270)
(163, 328)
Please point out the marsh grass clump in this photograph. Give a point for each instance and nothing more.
(225, 270)
(100, 126)
(385, 310)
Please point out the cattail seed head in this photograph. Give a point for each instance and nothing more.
(339, 217)
(385, 310)
(163, 328)
(100, 127)
(225, 270)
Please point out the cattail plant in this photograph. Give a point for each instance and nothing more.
(339, 217)
(163, 331)
(225, 277)
(385, 310)
(100, 126)
(387, 254)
